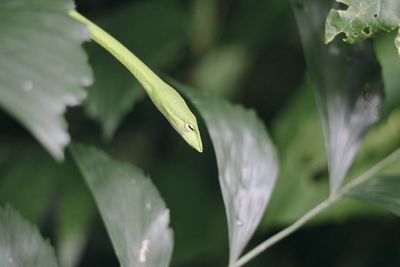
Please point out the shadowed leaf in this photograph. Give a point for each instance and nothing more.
(132, 209)
(21, 244)
(347, 85)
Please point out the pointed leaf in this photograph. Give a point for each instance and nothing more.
(42, 67)
(21, 244)
(383, 192)
(132, 209)
(247, 165)
(347, 85)
(363, 19)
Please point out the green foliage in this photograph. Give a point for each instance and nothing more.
(390, 63)
(74, 221)
(247, 165)
(363, 19)
(226, 48)
(21, 244)
(131, 207)
(43, 67)
(383, 192)
(347, 85)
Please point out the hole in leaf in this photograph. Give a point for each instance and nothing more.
(340, 6)
(375, 15)
(355, 34)
(367, 30)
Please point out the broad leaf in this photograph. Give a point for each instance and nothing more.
(363, 19)
(132, 209)
(21, 244)
(347, 86)
(247, 165)
(155, 34)
(387, 55)
(383, 192)
(42, 67)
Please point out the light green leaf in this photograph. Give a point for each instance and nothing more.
(21, 244)
(347, 85)
(42, 67)
(247, 165)
(383, 192)
(132, 209)
(363, 19)
(154, 35)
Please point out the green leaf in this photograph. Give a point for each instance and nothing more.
(21, 244)
(247, 165)
(303, 180)
(383, 192)
(154, 35)
(363, 19)
(43, 67)
(74, 221)
(387, 56)
(132, 209)
(347, 85)
(27, 184)
(220, 71)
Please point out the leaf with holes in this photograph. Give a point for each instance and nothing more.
(43, 67)
(363, 19)
(21, 244)
(132, 209)
(347, 84)
(383, 192)
(247, 164)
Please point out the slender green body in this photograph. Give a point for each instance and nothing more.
(166, 99)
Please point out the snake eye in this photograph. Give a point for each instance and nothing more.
(189, 127)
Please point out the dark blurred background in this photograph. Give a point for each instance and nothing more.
(246, 51)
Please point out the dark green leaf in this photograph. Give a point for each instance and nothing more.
(42, 67)
(347, 85)
(387, 55)
(247, 165)
(21, 244)
(383, 192)
(27, 184)
(132, 209)
(363, 19)
(74, 221)
(155, 34)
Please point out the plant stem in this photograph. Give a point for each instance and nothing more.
(318, 209)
